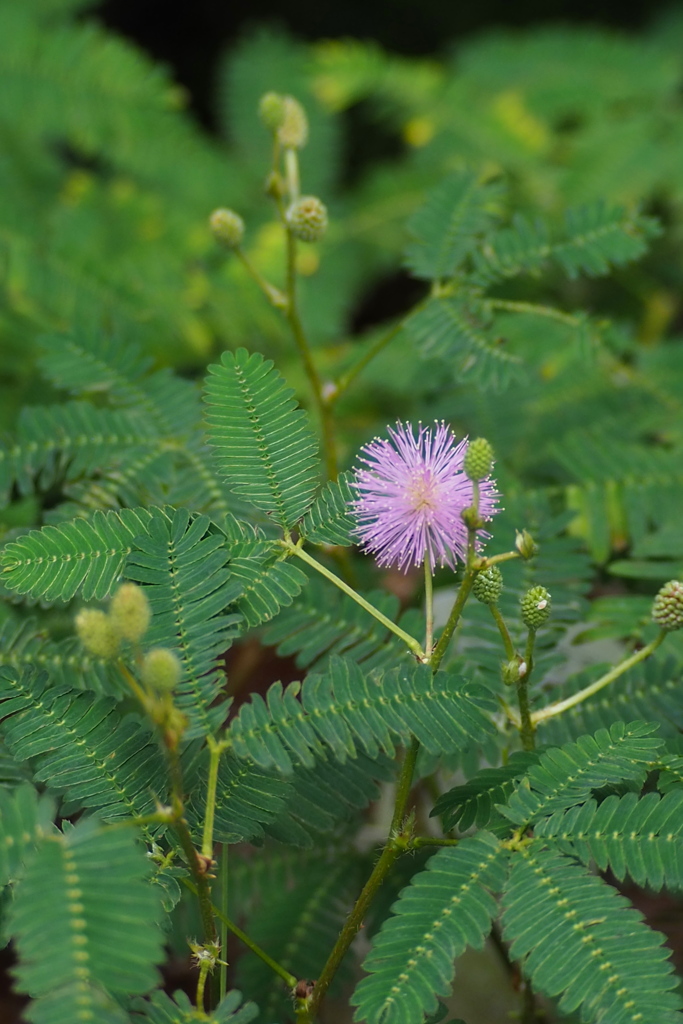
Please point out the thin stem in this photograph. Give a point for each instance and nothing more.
(289, 979)
(497, 559)
(188, 848)
(429, 607)
(411, 643)
(530, 307)
(355, 919)
(372, 350)
(453, 619)
(204, 968)
(215, 751)
(222, 914)
(273, 294)
(292, 313)
(420, 841)
(577, 698)
(292, 173)
(503, 630)
(527, 727)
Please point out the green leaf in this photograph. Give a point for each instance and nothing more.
(566, 775)
(344, 706)
(637, 836)
(263, 443)
(460, 332)
(474, 803)
(24, 818)
(449, 224)
(445, 909)
(330, 520)
(267, 582)
(85, 917)
(84, 556)
(608, 962)
(593, 238)
(80, 745)
(25, 646)
(298, 926)
(183, 566)
(325, 622)
(161, 1009)
(71, 441)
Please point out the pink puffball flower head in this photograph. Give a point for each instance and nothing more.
(412, 492)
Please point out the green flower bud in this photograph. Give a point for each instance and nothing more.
(535, 607)
(272, 110)
(510, 672)
(129, 612)
(478, 459)
(293, 130)
(161, 670)
(525, 544)
(227, 227)
(667, 608)
(307, 218)
(97, 633)
(488, 585)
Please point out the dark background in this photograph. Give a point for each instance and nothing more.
(190, 36)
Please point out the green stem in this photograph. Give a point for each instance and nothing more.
(201, 983)
(420, 841)
(504, 632)
(453, 619)
(292, 314)
(411, 643)
(215, 751)
(497, 559)
(429, 606)
(373, 350)
(391, 851)
(188, 847)
(527, 727)
(273, 294)
(530, 307)
(563, 705)
(222, 915)
(289, 979)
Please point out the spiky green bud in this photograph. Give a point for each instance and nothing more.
(478, 459)
(307, 218)
(488, 585)
(129, 612)
(525, 544)
(535, 607)
(161, 670)
(272, 110)
(227, 227)
(97, 633)
(667, 608)
(293, 131)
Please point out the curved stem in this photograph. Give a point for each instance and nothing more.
(453, 619)
(563, 705)
(504, 632)
(289, 979)
(527, 727)
(215, 751)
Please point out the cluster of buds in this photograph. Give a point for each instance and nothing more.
(478, 459)
(227, 227)
(307, 218)
(285, 118)
(128, 619)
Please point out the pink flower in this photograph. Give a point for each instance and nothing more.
(411, 495)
